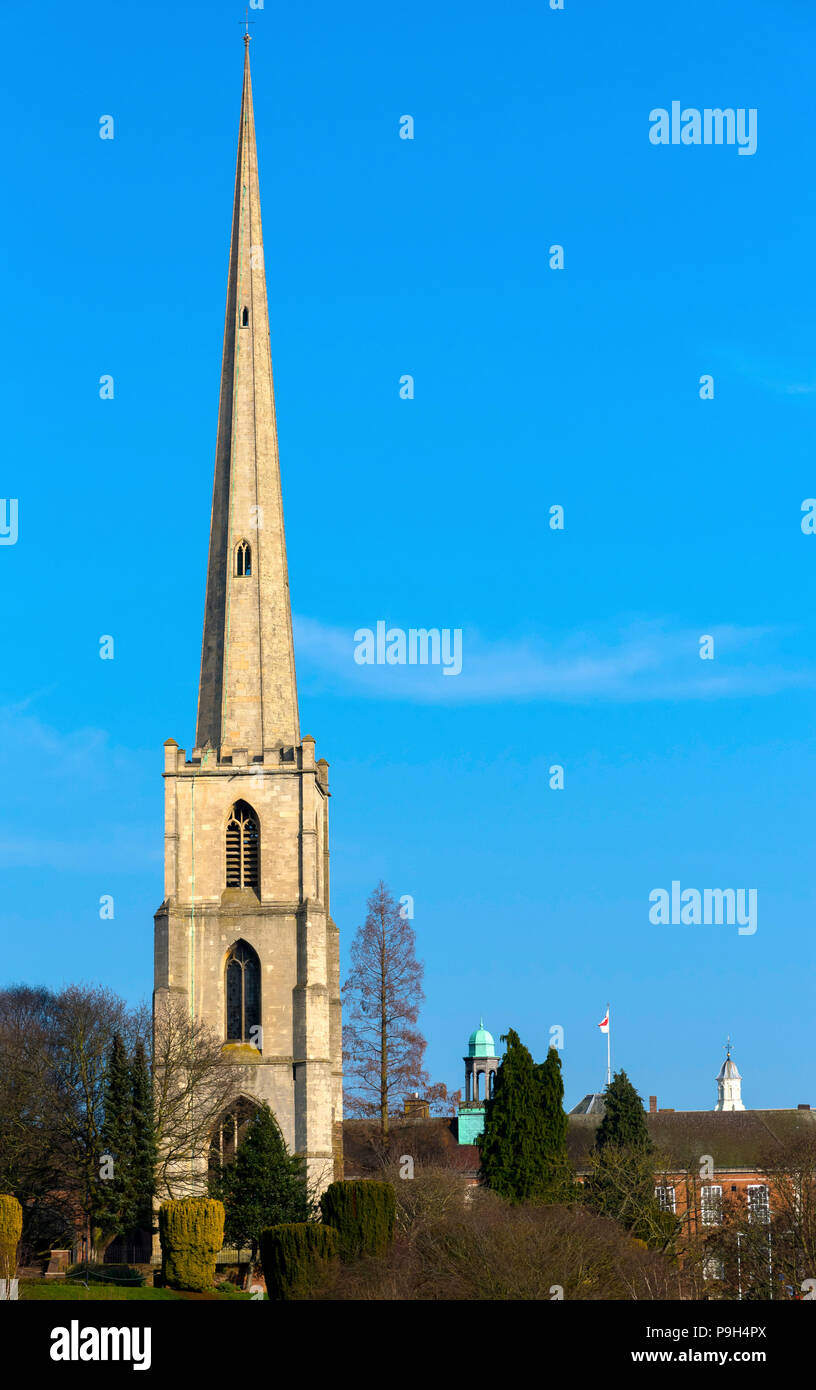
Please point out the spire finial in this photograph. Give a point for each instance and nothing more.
(247, 37)
(728, 1047)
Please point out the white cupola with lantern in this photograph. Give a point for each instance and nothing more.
(729, 1084)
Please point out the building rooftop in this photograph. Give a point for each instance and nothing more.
(728, 1071)
(592, 1104)
(428, 1141)
(480, 1043)
(734, 1138)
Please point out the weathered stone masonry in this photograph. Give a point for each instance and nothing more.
(249, 749)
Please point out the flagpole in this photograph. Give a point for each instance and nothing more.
(605, 1028)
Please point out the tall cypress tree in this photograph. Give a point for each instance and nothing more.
(114, 1205)
(514, 1144)
(264, 1185)
(143, 1141)
(561, 1185)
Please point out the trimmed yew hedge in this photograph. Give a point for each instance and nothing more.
(192, 1233)
(296, 1256)
(362, 1213)
(11, 1228)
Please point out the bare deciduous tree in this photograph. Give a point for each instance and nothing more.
(192, 1088)
(382, 1048)
(766, 1249)
(53, 1064)
(28, 1166)
(442, 1101)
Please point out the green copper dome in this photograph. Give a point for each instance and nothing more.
(480, 1043)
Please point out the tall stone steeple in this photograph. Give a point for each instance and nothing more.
(247, 695)
(244, 939)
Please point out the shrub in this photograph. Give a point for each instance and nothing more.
(297, 1258)
(362, 1213)
(191, 1232)
(11, 1228)
(265, 1185)
(123, 1276)
(487, 1249)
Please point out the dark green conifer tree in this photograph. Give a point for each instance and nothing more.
(264, 1185)
(622, 1181)
(113, 1213)
(514, 1144)
(624, 1120)
(561, 1186)
(143, 1141)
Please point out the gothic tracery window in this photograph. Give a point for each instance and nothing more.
(242, 981)
(229, 1133)
(243, 847)
(243, 560)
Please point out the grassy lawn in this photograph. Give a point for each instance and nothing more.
(69, 1290)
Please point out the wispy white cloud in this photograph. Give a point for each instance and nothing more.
(641, 661)
(784, 376)
(71, 799)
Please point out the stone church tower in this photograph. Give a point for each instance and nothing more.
(244, 937)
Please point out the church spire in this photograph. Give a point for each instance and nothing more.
(247, 697)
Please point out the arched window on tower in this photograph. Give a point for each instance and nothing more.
(243, 847)
(243, 560)
(245, 317)
(242, 980)
(229, 1133)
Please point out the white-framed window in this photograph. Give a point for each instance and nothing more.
(711, 1206)
(758, 1204)
(664, 1197)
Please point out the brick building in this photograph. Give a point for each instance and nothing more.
(705, 1158)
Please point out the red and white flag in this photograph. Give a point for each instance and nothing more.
(604, 1024)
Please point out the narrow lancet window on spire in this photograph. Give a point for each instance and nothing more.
(245, 317)
(243, 560)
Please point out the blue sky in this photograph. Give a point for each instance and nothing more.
(533, 387)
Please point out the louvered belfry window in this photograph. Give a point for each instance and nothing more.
(243, 990)
(243, 846)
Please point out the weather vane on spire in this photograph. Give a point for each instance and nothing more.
(246, 23)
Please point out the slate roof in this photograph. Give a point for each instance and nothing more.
(734, 1138)
(593, 1104)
